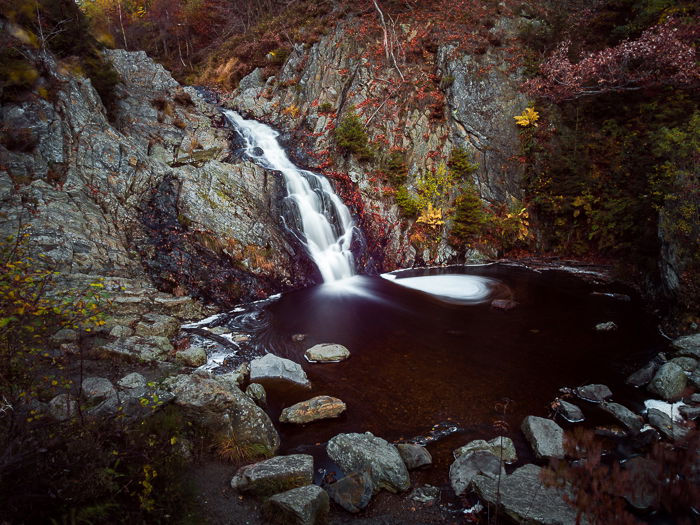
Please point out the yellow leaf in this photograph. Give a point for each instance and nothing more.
(528, 117)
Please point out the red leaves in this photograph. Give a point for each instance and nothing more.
(662, 55)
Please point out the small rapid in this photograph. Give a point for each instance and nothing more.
(314, 212)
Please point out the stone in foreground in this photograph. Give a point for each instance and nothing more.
(365, 452)
(414, 456)
(624, 415)
(669, 381)
(546, 438)
(275, 475)
(314, 409)
(665, 425)
(502, 447)
(353, 492)
(307, 505)
(465, 468)
(271, 367)
(593, 393)
(327, 353)
(525, 499)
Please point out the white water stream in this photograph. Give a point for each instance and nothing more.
(322, 218)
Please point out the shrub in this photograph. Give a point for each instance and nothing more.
(326, 107)
(460, 164)
(351, 137)
(470, 219)
(408, 204)
(395, 168)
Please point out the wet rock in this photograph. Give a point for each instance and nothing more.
(643, 475)
(225, 409)
(158, 325)
(63, 407)
(664, 424)
(609, 326)
(274, 475)
(121, 331)
(645, 374)
(525, 498)
(690, 412)
(365, 452)
(624, 415)
(688, 364)
(669, 381)
(326, 353)
(568, 411)
(414, 456)
(256, 392)
(546, 438)
(314, 409)
(503, 304)
(307, 505)
(502, 447)
(148, 348)
(427, 495)
(465, 468)
(688, 345)
(277, 368)
(194, 356)
(353, 492)
(593, 393)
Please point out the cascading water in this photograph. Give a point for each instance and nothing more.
(317, 212)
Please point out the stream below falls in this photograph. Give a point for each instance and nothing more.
(448, 361)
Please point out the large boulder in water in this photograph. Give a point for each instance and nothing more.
(314, 409)
(327, 353)
(271, 367)
(546, 438)
(224, 408)
(365, 452)
(524, 498)
(275, 475)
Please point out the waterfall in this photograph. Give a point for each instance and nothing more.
(316, 213)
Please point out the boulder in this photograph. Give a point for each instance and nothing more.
(624, 415)
(271, 367)
(608, 326)
(466, 467)
(414, 456)
(593, 393)
(97, 389)
(665, 425)
(132, 381)
(353, 492)
(546, 438)
(194, 356)
(365, 452)
(256, 392)
(149, 348)
(319, 407)
(307, 505)
(502, 447)
(525, 499)
(119, 330)
(690, 412)
(326, 353)
(64, 335)
(236, 378)
(688, 364)
(158, 325)
(669, 381)
(274, 475)
(688, 345)
(645, 374)
(568, 411)
(63, 407)
(694, 378)
(226, 409)
(427, 495)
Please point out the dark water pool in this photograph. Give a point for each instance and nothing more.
(418, 360)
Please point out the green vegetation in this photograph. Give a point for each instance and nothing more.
(408, 204)
(470, 218)
(351, 137)
(395, 168)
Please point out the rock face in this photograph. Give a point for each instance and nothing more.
(525, 499)
(271, 367)
(353, 492)
(326, 353)
(307, 505)
(225, 408)
(320, 407)
(502, 447)
(669, 381)
(545, 437)
(465, 468)
(274, 475)
(365, 452)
